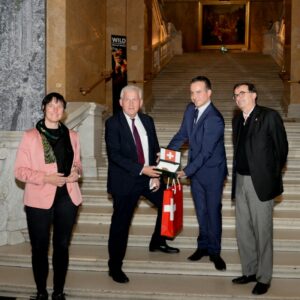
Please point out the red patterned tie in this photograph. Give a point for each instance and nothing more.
(138, 143)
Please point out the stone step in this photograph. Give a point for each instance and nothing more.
(290, 171)
(294, 153)
(85, 285)
(165, 136)
(147, 216)
(101, 198)
(291, 186)
(140, 260)
(97, 234)
(163, 131)
(165, 125)
(177, 110)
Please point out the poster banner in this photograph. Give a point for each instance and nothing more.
(119, 67)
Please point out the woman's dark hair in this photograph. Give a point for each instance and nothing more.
(203, 79)
(48, 98)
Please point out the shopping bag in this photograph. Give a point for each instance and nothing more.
(172, 210)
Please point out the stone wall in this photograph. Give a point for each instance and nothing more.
(22, 62)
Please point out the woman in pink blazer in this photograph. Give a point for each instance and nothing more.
(48, 161)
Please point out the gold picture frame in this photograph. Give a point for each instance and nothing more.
(224, 23)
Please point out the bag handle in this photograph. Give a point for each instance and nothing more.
(168, 182)
(179, 184)
(174, 184)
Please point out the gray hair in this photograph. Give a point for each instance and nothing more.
(131, 87)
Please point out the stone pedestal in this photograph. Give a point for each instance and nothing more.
(268, 43)
(12, 216)
(86, 118)
(294, 111)
(176, 39)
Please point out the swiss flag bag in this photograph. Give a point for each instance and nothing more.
(172, 210)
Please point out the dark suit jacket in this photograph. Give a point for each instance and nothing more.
(207, 158)
(266, 149)
(123, 167)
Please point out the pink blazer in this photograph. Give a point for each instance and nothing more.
(30, 168)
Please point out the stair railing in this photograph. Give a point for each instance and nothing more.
(163, 47)
(104, 76)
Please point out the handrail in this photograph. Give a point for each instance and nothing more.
(148, 77)
(105, 75)
(161, 43)
(137, 81)
(294, 81)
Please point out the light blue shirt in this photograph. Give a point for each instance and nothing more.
(201, 110)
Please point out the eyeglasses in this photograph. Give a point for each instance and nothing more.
(242, 93)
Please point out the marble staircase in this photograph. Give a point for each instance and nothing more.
(156, 275)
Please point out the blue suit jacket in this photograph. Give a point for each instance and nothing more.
(207, 157)
(123, 167)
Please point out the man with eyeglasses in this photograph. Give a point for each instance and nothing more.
(260, 153)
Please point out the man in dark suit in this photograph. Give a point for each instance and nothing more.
(132, 148)
(260, 153)
(203, 128)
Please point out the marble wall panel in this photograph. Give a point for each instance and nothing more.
(85, 49)
(295, 57)
(22, 62)
(184, 16)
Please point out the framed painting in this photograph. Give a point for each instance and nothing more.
(224, 23)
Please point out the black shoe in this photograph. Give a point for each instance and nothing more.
(244, 279)
(163, 248)
(40, 296)
(118, 276)
(198, 254)
(60, 296)
(260, 288)
(218, 261)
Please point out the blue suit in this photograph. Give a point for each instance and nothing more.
(207, 169)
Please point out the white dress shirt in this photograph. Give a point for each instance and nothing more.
(143, 135)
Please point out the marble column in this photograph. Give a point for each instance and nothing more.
(22, 62)
(135, 43)
(116, 11)
(294, 106)
(56, 46)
